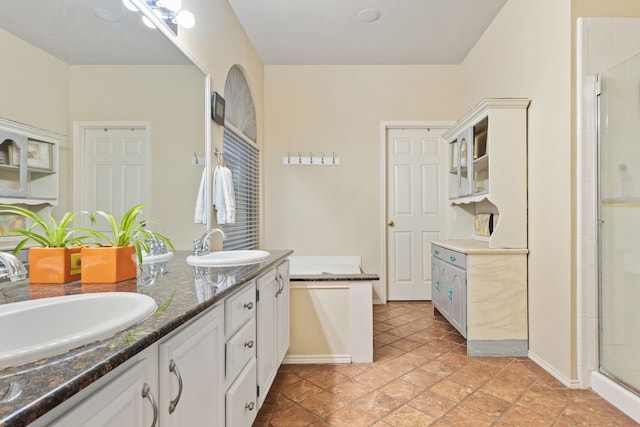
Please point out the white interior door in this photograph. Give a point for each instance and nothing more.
(415, 209)
(112, 170)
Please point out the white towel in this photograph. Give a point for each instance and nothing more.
(200, 216)
(224, 199)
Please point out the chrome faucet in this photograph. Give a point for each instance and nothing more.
(156, 246)
(11, 267)
(201, 245)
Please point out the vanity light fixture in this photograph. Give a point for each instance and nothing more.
(167, 11)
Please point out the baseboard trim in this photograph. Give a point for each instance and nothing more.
(551, 370)
(318, 359)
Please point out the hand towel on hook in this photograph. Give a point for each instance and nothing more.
(201, 211)
(223, 196)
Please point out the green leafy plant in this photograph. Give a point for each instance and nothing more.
(129, 231)
(45, 231)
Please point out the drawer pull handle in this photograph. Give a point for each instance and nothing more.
(250, 406)
(174, 369)
(249, 305)
(146, 394)
(450, 295)
(452, 258)
(437, 252)
(437, 285)
(249, 344)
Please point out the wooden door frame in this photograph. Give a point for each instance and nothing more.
(384, 127)
(78, 154)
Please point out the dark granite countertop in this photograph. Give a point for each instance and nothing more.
(46, 383)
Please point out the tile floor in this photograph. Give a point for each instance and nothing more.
(422, 376)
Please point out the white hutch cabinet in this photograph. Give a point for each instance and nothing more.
(479, 277)
(28, 172)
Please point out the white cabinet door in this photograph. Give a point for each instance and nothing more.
(267, 286)
(436, 284)
(129, 399)
(241, 403)
(283, 335)
(191, 373)
(457, 296)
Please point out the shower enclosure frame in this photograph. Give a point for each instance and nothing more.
(596, 52)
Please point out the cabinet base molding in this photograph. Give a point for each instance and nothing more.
(313, 359)
(497, 348)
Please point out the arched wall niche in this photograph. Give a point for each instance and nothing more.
(240, 111)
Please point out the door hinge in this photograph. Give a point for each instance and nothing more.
(598, 85)
(257, 295)
(258, 390)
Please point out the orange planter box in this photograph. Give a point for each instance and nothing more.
(54, 265)
(108, 264)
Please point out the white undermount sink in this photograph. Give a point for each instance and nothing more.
(228, 258)
(36, 329)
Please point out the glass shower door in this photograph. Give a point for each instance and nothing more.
(619, 223)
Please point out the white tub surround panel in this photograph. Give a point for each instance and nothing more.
(331, 310)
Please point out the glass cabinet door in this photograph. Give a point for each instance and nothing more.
(13, 160)
(465, 162)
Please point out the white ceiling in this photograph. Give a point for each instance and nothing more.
(305, 32)
(282, 31)
(82, 32)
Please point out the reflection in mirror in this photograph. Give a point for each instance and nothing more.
(79, 66)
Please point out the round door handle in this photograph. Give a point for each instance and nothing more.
(390, 223)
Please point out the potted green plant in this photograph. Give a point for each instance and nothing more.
(113, 259)
(57, 258)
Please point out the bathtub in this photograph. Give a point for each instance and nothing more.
(331, 310)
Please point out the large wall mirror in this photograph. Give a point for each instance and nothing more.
(82, 67)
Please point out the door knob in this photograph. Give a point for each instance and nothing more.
(390, 223)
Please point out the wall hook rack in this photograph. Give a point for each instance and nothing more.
(298, 159)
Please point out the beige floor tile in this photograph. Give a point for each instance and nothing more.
(421, 375)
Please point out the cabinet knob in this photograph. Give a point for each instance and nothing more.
(452, 258)
(249, 305)
(436, 252)
(437, 285)
(390, 223)
(249, 344)
(250, 406)
(450, 295)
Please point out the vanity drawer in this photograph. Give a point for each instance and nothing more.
(240, 349)
(241, 399)
(458, 259)
(239, 308)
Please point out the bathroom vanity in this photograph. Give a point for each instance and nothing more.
(198, 360)
(479, 276)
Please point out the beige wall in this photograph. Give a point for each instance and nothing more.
(219, 42)
(170, 98)
(526, 52)
(336, 210)
(35, 86)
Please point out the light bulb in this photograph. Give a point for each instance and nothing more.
(172, 5)
(185, 19)
(129, 5)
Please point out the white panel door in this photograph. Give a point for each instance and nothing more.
(114, 168)
(415, 158)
